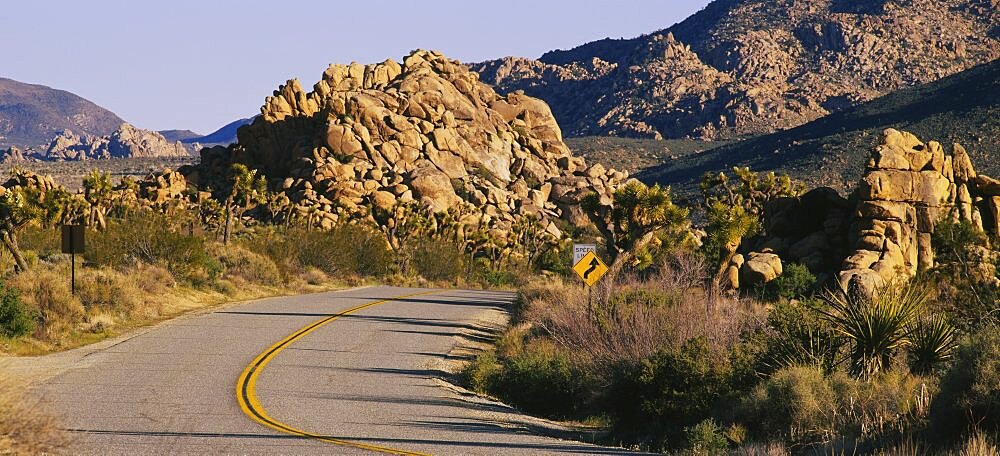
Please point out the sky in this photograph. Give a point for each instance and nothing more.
(186, 64)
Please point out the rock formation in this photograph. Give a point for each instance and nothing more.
(125, 142)
(884, 231)
(909, 187)
(371, 138)
(743, 67)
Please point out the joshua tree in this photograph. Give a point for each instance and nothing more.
(20, 206)
(633, 220)
(734, 207)
(245, 190)
(98, 191)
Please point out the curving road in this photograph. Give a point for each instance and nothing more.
(350, 372)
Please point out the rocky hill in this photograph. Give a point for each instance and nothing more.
(125, 142)
(31, 115)
(832, 151)
(746, 67)
(370, 140)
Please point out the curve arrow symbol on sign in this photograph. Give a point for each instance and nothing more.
(593, 267)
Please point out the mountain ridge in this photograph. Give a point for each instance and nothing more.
(32, 114)
(748, 67)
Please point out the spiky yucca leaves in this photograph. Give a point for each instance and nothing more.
(932, 342)
(877, 325)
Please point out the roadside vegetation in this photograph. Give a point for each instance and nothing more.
(669, 361)
(148, 258)
(659, 354)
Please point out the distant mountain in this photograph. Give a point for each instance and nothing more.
(179, 135)
(833, 151)
(749, 67)
(31, 115)
(224, 136)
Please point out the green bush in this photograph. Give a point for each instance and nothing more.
(148, 237)
(240, 262)
(800, 336)
(109, 291)
(44, 242)
(674, 389)
(542, 380)
(969, 397)
(482, 373)
(795, 282)
(706, 438)
(16, 318)
(347, 249)
(644, 297)
(796, 402)
(437, 259)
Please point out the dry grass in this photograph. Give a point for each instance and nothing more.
(24, 428)
(632, 319)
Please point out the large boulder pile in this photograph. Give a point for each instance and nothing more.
(426, 131)
(125, 142)
(908, 188)
(883, 232)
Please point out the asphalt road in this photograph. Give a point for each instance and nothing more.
(293, 375)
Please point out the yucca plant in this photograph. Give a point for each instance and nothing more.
(877, 325)
(932, 342)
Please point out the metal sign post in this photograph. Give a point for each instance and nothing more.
(590, 268)
(72, 243)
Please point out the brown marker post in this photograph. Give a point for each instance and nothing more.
(72, 243)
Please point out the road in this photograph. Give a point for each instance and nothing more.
(349, 372)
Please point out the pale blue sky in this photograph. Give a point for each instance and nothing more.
(199, 64)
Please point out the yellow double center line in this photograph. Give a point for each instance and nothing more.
(246, 387)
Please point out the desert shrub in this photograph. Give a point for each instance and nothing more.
(706, 438)
(361, 250)
(45, 242)
(932, 344)
(438, 259)
(49, 292)
(541, 379)
(497, 277)
(795, 403)
(803, 406)
(16, 318)
(347, 249)
(969, 299)
(147, 237)
(799, 336)
(556, 259)
(643, 297)
(878, 325)
(969, 397)
(110, 291)
(671, 390)
(24, 427)
(482, 373)
(795, 282)
(239, 262)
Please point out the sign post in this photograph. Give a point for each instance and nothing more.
(590, 268)
(72, 243)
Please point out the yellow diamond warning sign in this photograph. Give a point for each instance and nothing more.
(590, 268)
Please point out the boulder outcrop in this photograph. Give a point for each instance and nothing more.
(909, 187)
(125, 142)
(426, 131)
(884, 230)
